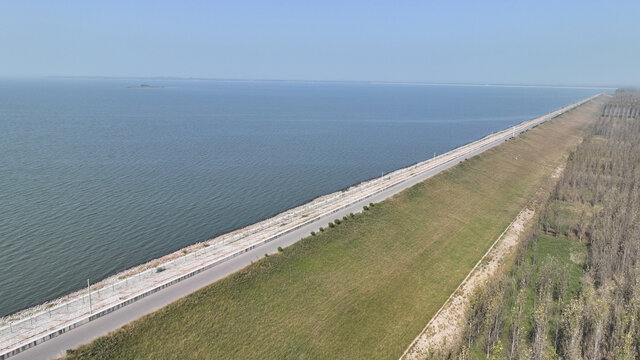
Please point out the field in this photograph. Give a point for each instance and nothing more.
(366, 287)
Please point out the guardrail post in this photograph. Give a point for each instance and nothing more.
(89, 290)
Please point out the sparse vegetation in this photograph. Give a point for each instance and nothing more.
(574, 290)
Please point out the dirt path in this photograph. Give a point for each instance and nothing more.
(445, 327)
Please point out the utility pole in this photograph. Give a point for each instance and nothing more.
(89, 290)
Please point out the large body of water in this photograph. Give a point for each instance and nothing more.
(96, 177)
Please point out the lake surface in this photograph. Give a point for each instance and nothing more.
(96, 177)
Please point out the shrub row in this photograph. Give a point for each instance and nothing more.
(338, 221)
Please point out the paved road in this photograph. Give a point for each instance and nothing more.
(57, 346)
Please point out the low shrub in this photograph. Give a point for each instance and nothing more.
(160, 269)
(280, 249)
(313, 233)
(344, 218)
(352, 215)
(321, 229)
(337, 221)
(331, 225)
(365, 208)
(372, 204)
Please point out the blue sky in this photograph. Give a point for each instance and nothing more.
(517, 42)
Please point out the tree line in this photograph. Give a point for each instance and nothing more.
(573, 290)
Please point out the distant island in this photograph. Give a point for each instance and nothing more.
(144, 86)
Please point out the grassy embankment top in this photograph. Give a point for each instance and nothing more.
(363, 288)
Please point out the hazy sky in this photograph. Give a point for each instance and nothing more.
(531, 42)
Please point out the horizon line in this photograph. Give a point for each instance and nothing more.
(373, 82)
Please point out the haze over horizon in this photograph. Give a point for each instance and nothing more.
(538, 43)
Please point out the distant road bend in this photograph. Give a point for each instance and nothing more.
(53, 344)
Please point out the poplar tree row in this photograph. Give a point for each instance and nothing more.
(536, 309)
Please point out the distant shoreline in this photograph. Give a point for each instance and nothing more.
(144, 86)
(372, 82)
